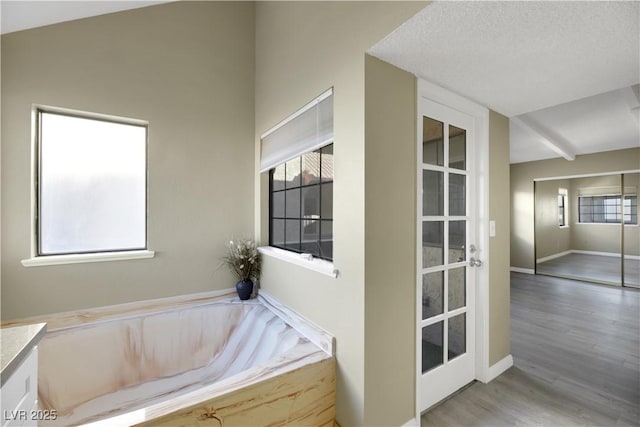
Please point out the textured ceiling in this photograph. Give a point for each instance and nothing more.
(517, 57)
(568, 69)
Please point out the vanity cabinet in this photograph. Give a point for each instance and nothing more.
(19, 375)
(20, 393)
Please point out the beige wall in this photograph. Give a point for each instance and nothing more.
(522, 205)
(302, 49)
(390, 243)
(551, 239)
(499, 280)
(187, 68)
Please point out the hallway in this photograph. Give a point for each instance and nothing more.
(576, 350)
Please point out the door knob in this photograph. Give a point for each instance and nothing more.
(475, 262)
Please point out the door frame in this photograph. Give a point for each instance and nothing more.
(480, 115)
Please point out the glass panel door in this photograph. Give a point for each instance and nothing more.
(583, 241)
(444, 241)
(446, 227)
(631, 236)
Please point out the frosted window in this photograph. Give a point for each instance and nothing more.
(92, 185)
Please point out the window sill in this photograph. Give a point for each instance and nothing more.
(302, 260)
(82, 258)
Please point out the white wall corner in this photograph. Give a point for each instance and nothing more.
(498, 368)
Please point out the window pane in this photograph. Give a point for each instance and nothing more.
(432, 243)
(292, 234)
(457, 241)
(457, 291)
(457, 335)
(293, 203)
(311, 202)
(432, 142)
(326, 194)
(457, 147)
(311, 168)
(277, 232)
(311, 237)
(327, 163)
(293, 173)
(631, 210)
(277, 204)
(432, 346)
(432, 193)
(432, 294)
(92, 185)
(326, 239)
(457, 194)
(278, 177)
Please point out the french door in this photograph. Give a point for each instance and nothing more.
(447, 252)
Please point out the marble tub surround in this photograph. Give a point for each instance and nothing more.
(314, 333)
(112, 371)
(74, 318)
(302, 397)
(16, 343)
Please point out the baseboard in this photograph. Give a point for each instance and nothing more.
(611, 254)
(554, 256)
(581, 252)
(498, 368)
(411, 423)
(523, 270)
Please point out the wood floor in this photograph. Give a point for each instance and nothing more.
(576, 349)
(592, 268)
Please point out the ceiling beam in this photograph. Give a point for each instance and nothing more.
(552, 140)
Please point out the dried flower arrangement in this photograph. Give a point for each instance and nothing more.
(243, 259)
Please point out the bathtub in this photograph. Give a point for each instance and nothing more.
(210, 361)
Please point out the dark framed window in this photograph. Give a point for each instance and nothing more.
(301, 204)
(608, 209)
(561, 210)
(91, 183)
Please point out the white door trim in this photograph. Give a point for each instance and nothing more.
(480, 115)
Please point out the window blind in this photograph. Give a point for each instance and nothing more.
(306, 130)
(605, 191)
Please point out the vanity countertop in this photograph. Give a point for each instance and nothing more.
(15, 344)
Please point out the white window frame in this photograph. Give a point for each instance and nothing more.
(620, 199)
(562, 192)
(35, 259)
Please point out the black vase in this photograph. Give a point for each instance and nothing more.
(244, 288)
